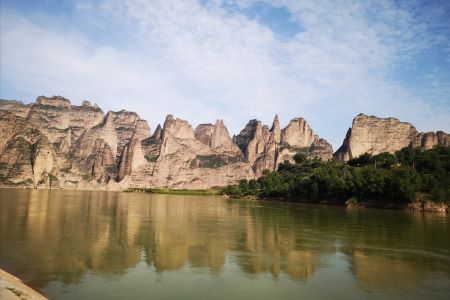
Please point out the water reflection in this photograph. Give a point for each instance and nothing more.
(61, 235)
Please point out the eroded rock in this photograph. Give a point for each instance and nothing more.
(370, 134)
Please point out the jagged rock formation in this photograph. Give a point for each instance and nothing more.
(52, 143)
(178, 157)
(61, 122)
(106, 151)
(27, 156)
(74, 146)
(16, 107)
(265, 148)
(217, 137)
(376, 135)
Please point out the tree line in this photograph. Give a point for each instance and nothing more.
(398, 178)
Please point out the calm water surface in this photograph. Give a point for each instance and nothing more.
(112, 245)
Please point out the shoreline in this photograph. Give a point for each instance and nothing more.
(12, 288)
(424, 206)
(417, 206)
(206, 192)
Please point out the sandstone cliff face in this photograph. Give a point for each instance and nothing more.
(376, 135)
(61, 122)
(180, 157)
(107, 150)
(76, 146)
(16, 107)
(216, 137)
(52, 143)
(429, 140)
(28, 158)
(265, 148)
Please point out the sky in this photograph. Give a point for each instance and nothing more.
(323, 60)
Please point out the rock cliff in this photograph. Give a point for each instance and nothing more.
(29, 159)
(376, 135)
(179, 157)
(265, 148)
(53, 143)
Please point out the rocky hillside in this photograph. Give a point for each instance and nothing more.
(376, 135)
(54, 144)
(265, 148)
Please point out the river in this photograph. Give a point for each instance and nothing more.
(114, 245)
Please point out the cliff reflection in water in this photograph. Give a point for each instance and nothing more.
(50, 235)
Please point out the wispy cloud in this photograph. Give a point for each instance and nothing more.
(205, 60)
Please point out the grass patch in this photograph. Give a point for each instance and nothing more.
(208, 192)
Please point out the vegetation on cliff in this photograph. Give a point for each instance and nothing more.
(398, 178)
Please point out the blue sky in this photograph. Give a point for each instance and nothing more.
(322, 60)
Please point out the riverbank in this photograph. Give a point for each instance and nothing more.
(420, 205)
(210, 192)
(12, 288)
(425, 206)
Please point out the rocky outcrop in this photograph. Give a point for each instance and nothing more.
(132, 156)
(107, 150)
(429, 140)
(298, 134)
(62, 122)
(216, 137)
(180, 157)
(28, 158)
(53, 143)
(428, 206)
(265, 148)
(370, 134)
(16, 107)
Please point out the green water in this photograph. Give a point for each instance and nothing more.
(111, 245)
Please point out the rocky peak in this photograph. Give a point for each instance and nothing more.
(220, 139)
(132, 156)
(429, 140)
(298, 134)
(177, 128)
(247, 134)
(252, 139)
(122, 118)
(15, 107)
(265, 148)
(86, 103)
(203, 133)
(56, 101)
(157, 134)
(275, 131)
(216, 137)
(177, 135)
(376, 135)
(5, 104)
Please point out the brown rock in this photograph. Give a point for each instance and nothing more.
(184, 159)
(298, 134)
(217, 138)
(370, 134)
(107, 151)
(203, 133)
(265, 148)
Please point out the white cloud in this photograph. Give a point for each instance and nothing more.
(206, 62)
